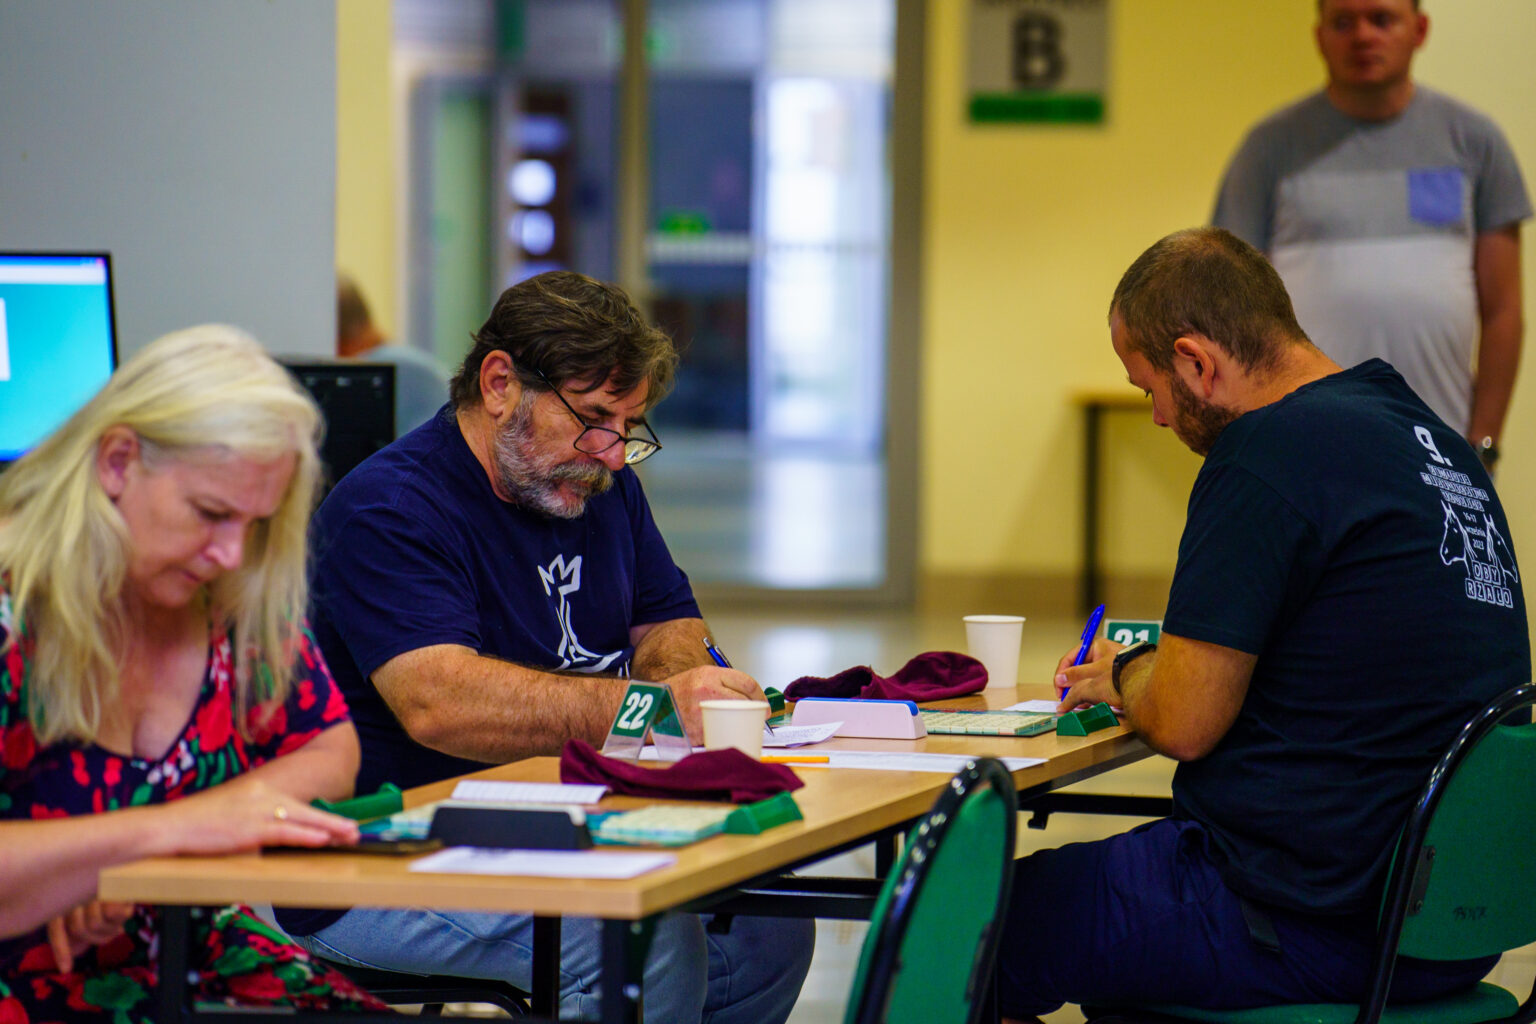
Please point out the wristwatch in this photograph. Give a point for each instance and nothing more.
(1125, 657)
(1488, 452)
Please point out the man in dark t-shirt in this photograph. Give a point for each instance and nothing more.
(484, 588)
(1345, 599)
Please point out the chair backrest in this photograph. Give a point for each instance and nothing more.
(1463, 884)
(934, 932)
(1475, 878)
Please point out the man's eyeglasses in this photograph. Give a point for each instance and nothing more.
(596, 440)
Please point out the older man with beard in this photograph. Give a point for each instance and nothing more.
(484, 587)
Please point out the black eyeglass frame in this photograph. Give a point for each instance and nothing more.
(642, 448)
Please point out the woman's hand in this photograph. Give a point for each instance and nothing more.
(245, 814)
(87, 925)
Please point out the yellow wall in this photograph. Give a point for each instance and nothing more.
(1027, 231)
(365, 155)
(1029, 228)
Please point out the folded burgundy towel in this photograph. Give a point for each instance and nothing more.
(711, 775)
(936, 675)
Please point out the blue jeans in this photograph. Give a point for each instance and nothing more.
(750, 974)
(1144, 918)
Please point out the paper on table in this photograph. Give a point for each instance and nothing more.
(527, 792)
(782, 736)
(1046, 707)
(799, 735)
(1041, 707)
(898, 762)
(474, 860)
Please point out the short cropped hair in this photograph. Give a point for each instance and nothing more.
(1320, 6)
(1209, 282)
(205, 393)
(578, 332)
(352, 312)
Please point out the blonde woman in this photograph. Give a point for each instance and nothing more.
(159, 692)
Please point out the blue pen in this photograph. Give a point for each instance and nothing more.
(719, 656)
(1089, 632)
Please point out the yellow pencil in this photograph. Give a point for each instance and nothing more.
(795, 759)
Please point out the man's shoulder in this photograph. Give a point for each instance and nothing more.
(1279, 126)
(419, 474)
(1432, 103)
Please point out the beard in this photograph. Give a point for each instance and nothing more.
(541, 481)
(1198, 424)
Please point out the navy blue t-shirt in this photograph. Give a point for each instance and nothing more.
(1352, 541)
(413, 548)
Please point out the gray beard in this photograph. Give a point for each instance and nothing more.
(533, 481)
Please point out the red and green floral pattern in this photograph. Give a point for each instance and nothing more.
(237, 958)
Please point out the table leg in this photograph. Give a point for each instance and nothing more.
(885, 856)
(1088, 591)
(546, 967)
(175, 936)
(625, 944)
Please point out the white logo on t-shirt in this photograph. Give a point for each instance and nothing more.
(561, 579)
(1469, 536)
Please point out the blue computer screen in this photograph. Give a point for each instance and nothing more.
(56, 342)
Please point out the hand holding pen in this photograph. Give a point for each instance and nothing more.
(1090, 631)
(720, 659)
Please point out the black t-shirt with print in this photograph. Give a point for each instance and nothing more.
(1352, 541)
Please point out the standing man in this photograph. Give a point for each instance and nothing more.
(1345, 600)
(1392, 212)
(484, 588)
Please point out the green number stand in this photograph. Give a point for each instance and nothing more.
(647, 710)
(1129, 631)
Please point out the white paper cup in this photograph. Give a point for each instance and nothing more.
(734, 723)
(994, 641)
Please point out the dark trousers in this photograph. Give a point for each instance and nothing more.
(1144, 918)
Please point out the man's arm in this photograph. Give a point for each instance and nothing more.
(463, 703)
(453, 699)
(1496, 264)
(673, 652)
(1181, 699)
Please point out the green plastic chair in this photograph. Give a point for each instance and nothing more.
(1462, 885)
(933, 936)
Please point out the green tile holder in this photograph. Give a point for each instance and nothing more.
(1081, 723)
(361, 808)
(753, 819)
(775, 699)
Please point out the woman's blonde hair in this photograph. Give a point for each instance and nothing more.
(207, 392)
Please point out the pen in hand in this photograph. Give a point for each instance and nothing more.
(719, 658)
(1089, 632)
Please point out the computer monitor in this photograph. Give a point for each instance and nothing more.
(58, 341)
(358, 403)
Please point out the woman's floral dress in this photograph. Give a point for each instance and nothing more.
(237, 958)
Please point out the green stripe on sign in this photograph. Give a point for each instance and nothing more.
(1052, 108)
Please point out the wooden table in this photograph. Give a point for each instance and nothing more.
(842, 808)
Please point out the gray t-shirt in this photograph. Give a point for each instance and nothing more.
(1371, 224)
(421, 387)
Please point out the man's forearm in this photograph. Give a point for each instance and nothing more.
(1496, 267)
(462, 703)
(1498, 360)
(668, 648)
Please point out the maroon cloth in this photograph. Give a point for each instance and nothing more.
(936, 675)
(711, 775)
